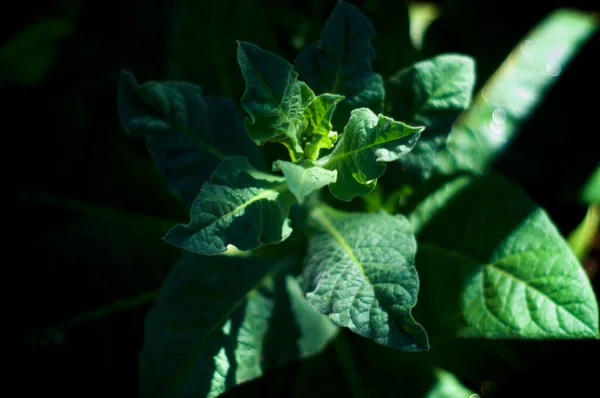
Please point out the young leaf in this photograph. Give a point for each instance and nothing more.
(304, 177)
(317, 118)
(590, 192)
(274, 99)
(240, 206)
(340, 63)
(187, 134)
(431, 93)
(368, 142)
(447, 385)
(208, 329)
(518, 279)
(360, 272)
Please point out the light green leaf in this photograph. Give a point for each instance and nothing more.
(304, 177)
(360, 272)
(211, 326)
(448, 386)
(340, 63)
(431, 93)
(240, 206)
(368, 142)
(188, 134)
(274, 99)
(493, 265)
(514, 92)
(317, 118)
(591, 188)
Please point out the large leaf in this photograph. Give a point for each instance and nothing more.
(431, 93)
(515, 91)
(187, 133)
(240, 206)
(360, 272)
(340, 63)
(274, 99)
(493, 265)
(209, 329)
(304, 177)
(368, 142)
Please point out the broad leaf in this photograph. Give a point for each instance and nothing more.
(209, 329)
(340, 63)
(274, 99)
(304, 177)
(431, 93)
(493, 265)
(317, 118)
(240, 206)
(368, 142)
(187, 133)
(515, 91)
(360, 272)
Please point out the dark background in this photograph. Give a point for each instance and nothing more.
(87, 209)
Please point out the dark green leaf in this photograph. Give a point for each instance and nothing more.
(208, 330)
(304, 177)
(340, 63)
(431, 93)
(188, 134)
(493, 265)
(368, 142)
(317, 118)
(240, 206)
(360, 272)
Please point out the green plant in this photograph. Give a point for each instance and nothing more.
(490, 262)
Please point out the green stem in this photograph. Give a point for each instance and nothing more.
(342, 349)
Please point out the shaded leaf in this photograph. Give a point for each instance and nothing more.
(240, 206)
(368, 142)
(304, 177)
(360, 272)
(340, 63)
(518, 279)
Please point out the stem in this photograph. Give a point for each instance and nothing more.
(342, 349)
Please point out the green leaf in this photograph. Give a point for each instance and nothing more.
(340, 63)
(515, 91)
(591, 189)
(493, 265)
(431, 93)
(317, 118)
(304, 177)
(209, 329)
(447, 385)
(274, 99)
(360, 272)
(240, 206)
(187, 133)
(368, 142)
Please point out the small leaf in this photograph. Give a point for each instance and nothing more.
(431, 93)
(448, 385)
(340, 63)
(187, 133)
(591, 189)
(368, 142)
(360, 272)
(493, 265)
(209, 327)
(317, 118)
(304, 177)
(240, 206)
(274, 99)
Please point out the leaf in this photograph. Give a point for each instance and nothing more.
(360, 272)
(274, 99)
(240, 206)
(515, 91)
(431, 93)
(187, 133)
(317, 118)
(448, 385)
(304, 177)
(368, 142)
(208, 330)
(340, 63)
(493, 265)
(591, 189)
